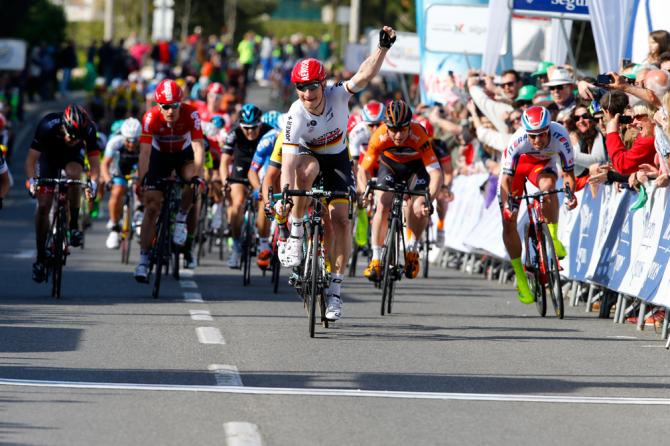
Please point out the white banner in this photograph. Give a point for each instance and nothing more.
(456, 29)
(12, 54)
(465, 211)
(403, 57)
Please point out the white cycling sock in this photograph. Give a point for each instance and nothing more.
(376, 252)
(336, 284)
(181, 216)
(297, 229)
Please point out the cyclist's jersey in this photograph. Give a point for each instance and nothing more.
(358, 139)
(425, 123)
(354, 119)
(416, 147)
(49, 136)
(558, 149)
(123, 160)
(321, 134)
(275, 158)
(239, 146)
(264, 151)
(175, 138)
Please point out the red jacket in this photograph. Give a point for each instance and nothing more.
(628, 161)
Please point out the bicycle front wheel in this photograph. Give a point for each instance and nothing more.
(126, 233)
(426, 251)
(58, 254)
(389, 260)
(159, 255)
(533, 270)
(314, 281)
(552, 271)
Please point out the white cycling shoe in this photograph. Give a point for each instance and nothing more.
(290, 252)
(112, 240)
(333, 307)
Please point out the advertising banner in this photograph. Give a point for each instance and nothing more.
(403, 57)
(571, 9)
(12, 54)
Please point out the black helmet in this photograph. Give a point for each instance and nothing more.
(398, 114)
(75, 120)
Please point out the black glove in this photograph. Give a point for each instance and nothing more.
(385, 40)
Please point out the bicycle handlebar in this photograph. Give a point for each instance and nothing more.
(566, 189)
(400, 188)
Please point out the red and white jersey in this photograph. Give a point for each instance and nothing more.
(324, 133)
(358, 139)
(207, 116)
(425, 123)
(155, 130)
(559, 149)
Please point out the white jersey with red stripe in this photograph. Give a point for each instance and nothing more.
(559, 149)
(322, 134)
(358, 139)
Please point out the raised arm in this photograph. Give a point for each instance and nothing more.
(371, 66)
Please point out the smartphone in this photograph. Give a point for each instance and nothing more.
(625, 62)
(604, 79)
(625, 119)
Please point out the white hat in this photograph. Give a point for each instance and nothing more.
(559, 76)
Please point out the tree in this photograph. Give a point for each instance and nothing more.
(34, 20)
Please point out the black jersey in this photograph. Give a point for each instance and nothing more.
(49, 137)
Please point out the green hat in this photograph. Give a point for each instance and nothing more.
(526, 93)
(542, 68)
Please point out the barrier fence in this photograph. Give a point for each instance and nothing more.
(616, 246)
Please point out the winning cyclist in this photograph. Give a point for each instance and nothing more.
(171, 140)
(239, 150)
(532, 154)
(121, 157)
(403, 151)
(60, 142)
(315, 142)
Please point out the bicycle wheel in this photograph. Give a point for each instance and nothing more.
(175, 261)
(275, 265)
(202, 228)
(126, 233)
(246, 249)
(158, 254)
(426, 251)
(388, 263)
(394, 275)
(533, 270)
(552, 270)
(314, 281)
(58, 253)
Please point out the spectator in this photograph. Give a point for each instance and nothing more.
(540, 74)
(495, 111)
(266, 56)
(590, 147)
(659, 42)
(245, 50)
(68, 61)
(561, 85)
(642, 151)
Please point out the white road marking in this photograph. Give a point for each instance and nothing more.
(193, 297)
(621, 337)
(186, 273)
(200, 315)
(188, 284)
(25, 254)
(445, 396)
(239, 433)
(209, 335)
(226, 375)
(653, 346)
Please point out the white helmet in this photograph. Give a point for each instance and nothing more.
(131, 128)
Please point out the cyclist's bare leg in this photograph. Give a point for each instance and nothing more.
(152, 207)
(73, 171)
(547, 182)
(44, 202)
(115, 204)
(511, 238)
(238, 193)
(187, 172)
(416, 221)
(384, 201)
(262, 223)
(299, 172)
(339, 255)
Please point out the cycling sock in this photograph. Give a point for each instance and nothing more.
(181, 216)
(376, 252)
(237, 244)
(297, 229)
(553, 230)
(336, 284)
(265, 243)
(440, 224)
(522, 281)
(144, 257)
(74, 218)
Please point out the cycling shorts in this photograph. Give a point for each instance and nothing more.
(50, 164)
(335, 170)
(241, 165)
(529, 168)
(161, 165)
(413, 173)
(119, 181)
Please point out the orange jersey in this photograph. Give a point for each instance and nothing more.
(416, 146)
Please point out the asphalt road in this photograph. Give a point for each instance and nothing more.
(212, 362)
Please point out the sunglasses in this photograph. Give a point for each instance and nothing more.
(585, 117)
(249, 127)
(174, 106)
(308, 87)
(556, 87)
(536, 135)
(507, 84)
(640, 117)
(132, 140)
(397, 129)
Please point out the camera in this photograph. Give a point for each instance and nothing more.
(604, 79)
(625, 119)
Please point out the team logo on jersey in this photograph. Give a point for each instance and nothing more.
(147, 121)
(329, 114)
(196, 120)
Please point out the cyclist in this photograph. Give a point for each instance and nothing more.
(403, 151)
(238, 151)
(4, 177)
(259, 166)
(315, 141)
(121, 157)
(60, 143)
(532, 154)
(372, 115)
(171, 140)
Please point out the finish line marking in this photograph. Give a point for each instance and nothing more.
(342, 393)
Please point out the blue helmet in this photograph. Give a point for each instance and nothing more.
(250, 115)
(536, 119)
(271, 118)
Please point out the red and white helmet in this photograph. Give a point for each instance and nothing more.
(308, 70)
(536, 119)
(354, 119)
(215, 88)
(373, 112)
(168, 92)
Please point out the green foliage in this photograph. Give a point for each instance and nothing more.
(34, 20)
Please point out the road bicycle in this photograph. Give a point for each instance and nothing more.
(311, 279)
(541, 263)
(127, 221)
(57, 245)
(391, 268)
(248, 230)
